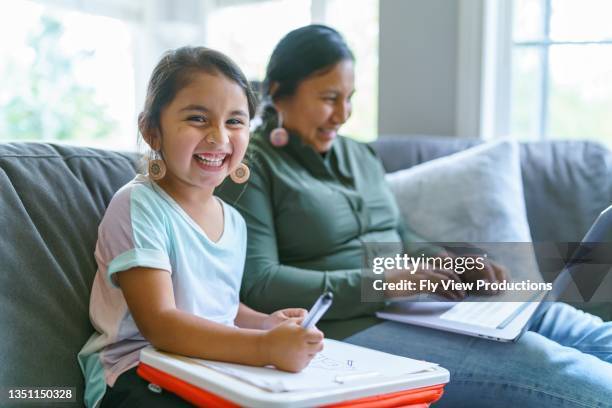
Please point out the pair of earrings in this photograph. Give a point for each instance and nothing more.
(157, 170)
(278, 137)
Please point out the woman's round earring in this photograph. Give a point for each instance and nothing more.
(279, 136)
(157, 167)
(241, 174)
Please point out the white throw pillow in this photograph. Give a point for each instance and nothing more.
(476, 197)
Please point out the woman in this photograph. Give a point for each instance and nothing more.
(315, 197)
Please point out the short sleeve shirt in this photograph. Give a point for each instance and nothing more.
(144, 227)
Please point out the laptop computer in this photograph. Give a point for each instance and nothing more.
(496, 320)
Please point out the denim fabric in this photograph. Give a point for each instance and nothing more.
(565, 360)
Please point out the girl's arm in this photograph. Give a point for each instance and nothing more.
(248, 318)
(150, 298)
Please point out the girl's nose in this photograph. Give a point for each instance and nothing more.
(217, 137)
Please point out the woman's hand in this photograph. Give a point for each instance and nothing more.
(435, 277)
(290, 347)
(280, 316)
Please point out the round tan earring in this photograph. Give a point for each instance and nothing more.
(241, 174)
(157, 167)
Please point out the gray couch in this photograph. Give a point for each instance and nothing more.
(53, 197)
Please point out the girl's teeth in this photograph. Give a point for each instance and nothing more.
(210, 162)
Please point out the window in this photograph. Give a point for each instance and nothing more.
(357, 20)
(247, 33)
(77, 71)
(70, 77)
(561, 70)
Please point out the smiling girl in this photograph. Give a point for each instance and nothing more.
(170, 254)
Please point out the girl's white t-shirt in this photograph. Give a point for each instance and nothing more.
(144, 227)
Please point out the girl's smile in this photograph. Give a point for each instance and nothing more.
(211, 161)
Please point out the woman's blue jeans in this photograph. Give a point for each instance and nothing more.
(564, 360)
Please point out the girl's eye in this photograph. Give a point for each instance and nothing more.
(235, 122)
(199, 119)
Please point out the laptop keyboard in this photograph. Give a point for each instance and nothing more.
(493, 315)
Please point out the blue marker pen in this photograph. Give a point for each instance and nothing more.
(318, 310)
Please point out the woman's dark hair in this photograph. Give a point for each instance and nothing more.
(174, 72)
(303, 52)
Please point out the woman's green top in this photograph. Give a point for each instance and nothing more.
(308, 216)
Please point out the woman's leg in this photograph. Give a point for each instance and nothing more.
(571, 327)
(132, 391)
(533, 372)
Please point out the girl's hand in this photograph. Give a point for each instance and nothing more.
(280, 316)
(290, 347)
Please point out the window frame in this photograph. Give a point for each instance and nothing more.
(544, 45)
(484, 75)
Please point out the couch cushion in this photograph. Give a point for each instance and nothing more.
(52, 200)
(566, 183)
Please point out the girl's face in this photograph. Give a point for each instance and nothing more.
(204, 132)
(320, 105)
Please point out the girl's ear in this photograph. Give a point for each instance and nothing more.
(152, 137)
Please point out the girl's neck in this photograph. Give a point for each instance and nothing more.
(188, 197)
(199, 204)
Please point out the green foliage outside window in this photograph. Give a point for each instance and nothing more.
(48, 103)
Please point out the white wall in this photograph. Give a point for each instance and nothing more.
(418, 67)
